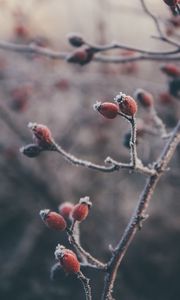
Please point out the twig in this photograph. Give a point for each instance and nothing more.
(140, 213)
(86, 286)
(134, 157)
(52, 54)
(162, 36)
(89, 258)
(158, 122)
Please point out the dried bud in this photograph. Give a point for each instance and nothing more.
(75, 40)
(174, 87)
(81, 56)
(67, 259)
(31, 150)
(53, 220)
(145, 98)
(171, 70)
(42, 135)
(127, 104)
(65, 209)
(81, 210)
(107, 109)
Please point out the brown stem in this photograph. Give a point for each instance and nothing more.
(140, 213)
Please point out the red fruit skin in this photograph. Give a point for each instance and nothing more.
(107, 109)
(165, 98)
(70, 262)
(128, 106)
(80, 212)
(171, 70)
(81, 55)
(42, 135)
(145, 98)
(65, 209)
(171, 2)
(55, 221)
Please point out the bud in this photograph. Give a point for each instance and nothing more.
(65, 209)
(42, 135)
(53, 220)
(107, 109)
(146, 99)
(67, 259)
(127, 104)
(81, 56)
(75, 40)
(31, 150)
(81, 210)
(174, 87)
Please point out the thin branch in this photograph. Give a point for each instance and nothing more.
(162, 36)
(134, 158)
(145, 55)
(79, 162)
(86, 286)
(89, 258)
(140, 213)
(158, 122)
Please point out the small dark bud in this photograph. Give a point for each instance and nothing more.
(174, 87)
(75, 40)
(31, 150)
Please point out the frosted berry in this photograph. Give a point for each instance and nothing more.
(81, 55)
(31, 150)
(65, 209)
(75, 40)
(107, 109)
(67, 259)
(127, 104)
(145, 98)
(53, 220)
(81, 210)
(171, 70)
(42, 135)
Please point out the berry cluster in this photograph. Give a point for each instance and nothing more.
(68, 215)
(83, 54)
(123, 104)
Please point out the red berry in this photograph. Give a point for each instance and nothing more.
(127, 104)
(171, 2)
(81, 55)
(145, 98)
(65, 209)
(67, 259)
(165, 98)
(171, 70)
(42, 134)
(53, 220)
(107, 109)
(81, 210)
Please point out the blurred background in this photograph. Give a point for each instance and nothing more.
(61, 95)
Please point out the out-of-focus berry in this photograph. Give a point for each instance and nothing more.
(53, 220)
